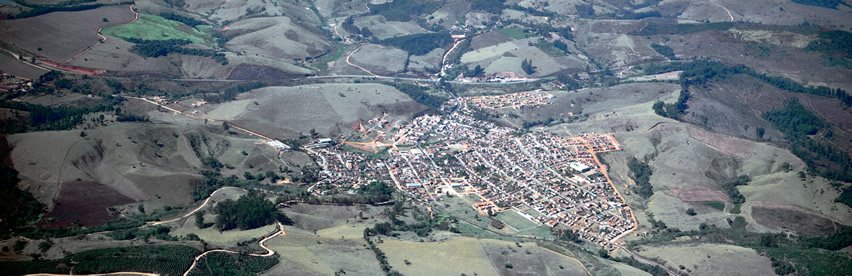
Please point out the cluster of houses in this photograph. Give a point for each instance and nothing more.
(514, 100)
(558, 179)
(10, 83)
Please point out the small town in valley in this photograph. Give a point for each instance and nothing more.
(549, 179)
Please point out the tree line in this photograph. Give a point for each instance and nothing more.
(158, 48)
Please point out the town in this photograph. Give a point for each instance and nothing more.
(559, 180)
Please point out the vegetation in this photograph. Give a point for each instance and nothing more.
(652, 269)
(152, 27)
(376, 191)
(798, 125)
(43, 118)
(248, 212)
(222, 263)
(528, 67)
(421, 95)
(69, 6)
(492, 6)
(832, 4)
(380, 256)
(403, 10)
(163, 259)
(664, 50)
(419, 44)
(730, 188)
(159, 232)
(158, 48)
(192, 22)
(640, 172)
(17, 208)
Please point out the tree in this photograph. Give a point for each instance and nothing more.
(759, 132)
(226, 126)
(691, 212)
(528, 67)
(248, 212)
(603, 253)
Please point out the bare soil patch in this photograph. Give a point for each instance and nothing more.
(84, 203)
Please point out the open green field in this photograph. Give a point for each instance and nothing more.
(513, 32)
(712, 258)
(305, 253)
(470, 256)
(152, 27)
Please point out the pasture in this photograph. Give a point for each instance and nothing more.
(152, 27)
(328, 108)
(61, 35)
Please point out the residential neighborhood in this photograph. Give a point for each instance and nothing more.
(557, 179)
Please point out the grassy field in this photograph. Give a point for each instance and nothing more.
(712, 258)
(456, 255)
(61, 35)
(152, 27)
(328, 108)
(514, 33)
(305, 253)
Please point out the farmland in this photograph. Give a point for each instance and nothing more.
(152, 27)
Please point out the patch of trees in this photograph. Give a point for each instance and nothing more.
(476, 72)
(403, 10)
(159, 232)
(43, 118)
(376, 191)
(419, 44)
(558, 44)
(17, 208)
(528, 67)
(69, 6)
(490, 6)
(671, 28)
(158, 48)
(833, 41)
(831, 4)
(248, 212)
(845, 197)
(421, 95)
(798, 125)
(664, 50)
(380, 255)
(125, 117)
(698, 73)
(641, 173)
(230, 93)
(730, 188)
(182, 19)
(652, 269)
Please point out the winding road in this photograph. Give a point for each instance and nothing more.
(206, 201)
(102, 38)
(269, 252)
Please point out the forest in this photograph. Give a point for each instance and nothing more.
(403, 10)
(248, 212)
(419, 44)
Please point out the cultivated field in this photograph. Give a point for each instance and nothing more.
(152, 27)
